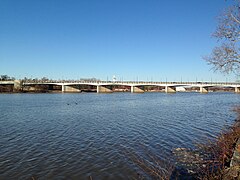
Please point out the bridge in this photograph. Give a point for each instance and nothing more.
(134, 87)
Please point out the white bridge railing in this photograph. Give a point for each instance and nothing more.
(123, 82)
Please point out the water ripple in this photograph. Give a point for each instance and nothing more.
(74, 136)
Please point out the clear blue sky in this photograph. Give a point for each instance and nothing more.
(144, 39)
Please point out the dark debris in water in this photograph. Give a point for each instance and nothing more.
(187, 161)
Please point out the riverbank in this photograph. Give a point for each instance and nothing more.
(219, 158)
(213, 159)
(233, 170)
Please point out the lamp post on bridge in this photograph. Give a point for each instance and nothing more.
(114, 78)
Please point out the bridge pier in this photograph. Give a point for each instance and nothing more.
(203, 90)
(170, 89)
(71, 89)
(237, 89)
(135, 89)
(63, 88)
(103, 89)
(16, 86)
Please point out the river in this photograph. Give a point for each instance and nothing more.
(77, 136)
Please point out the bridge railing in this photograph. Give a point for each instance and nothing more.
(128, 82)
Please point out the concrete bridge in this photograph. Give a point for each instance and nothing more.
(135, 87)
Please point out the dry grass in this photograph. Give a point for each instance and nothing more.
(149, 165)
(210, 160)
(217, 154)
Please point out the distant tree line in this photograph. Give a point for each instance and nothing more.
(43, 79)
(6, 78)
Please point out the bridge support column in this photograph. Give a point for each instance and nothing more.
(102, 89)
(170, 89)
(237, 89)
(135, 89)
(63, 88)
(17, 86)
(203, 90)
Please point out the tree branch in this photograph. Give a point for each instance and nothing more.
(235, 19)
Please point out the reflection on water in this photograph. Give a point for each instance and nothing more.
(74, 136)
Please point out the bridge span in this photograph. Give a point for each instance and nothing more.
(134, 87)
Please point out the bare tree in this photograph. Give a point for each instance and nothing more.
(226, 57)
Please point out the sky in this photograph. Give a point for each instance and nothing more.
(155, 40)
